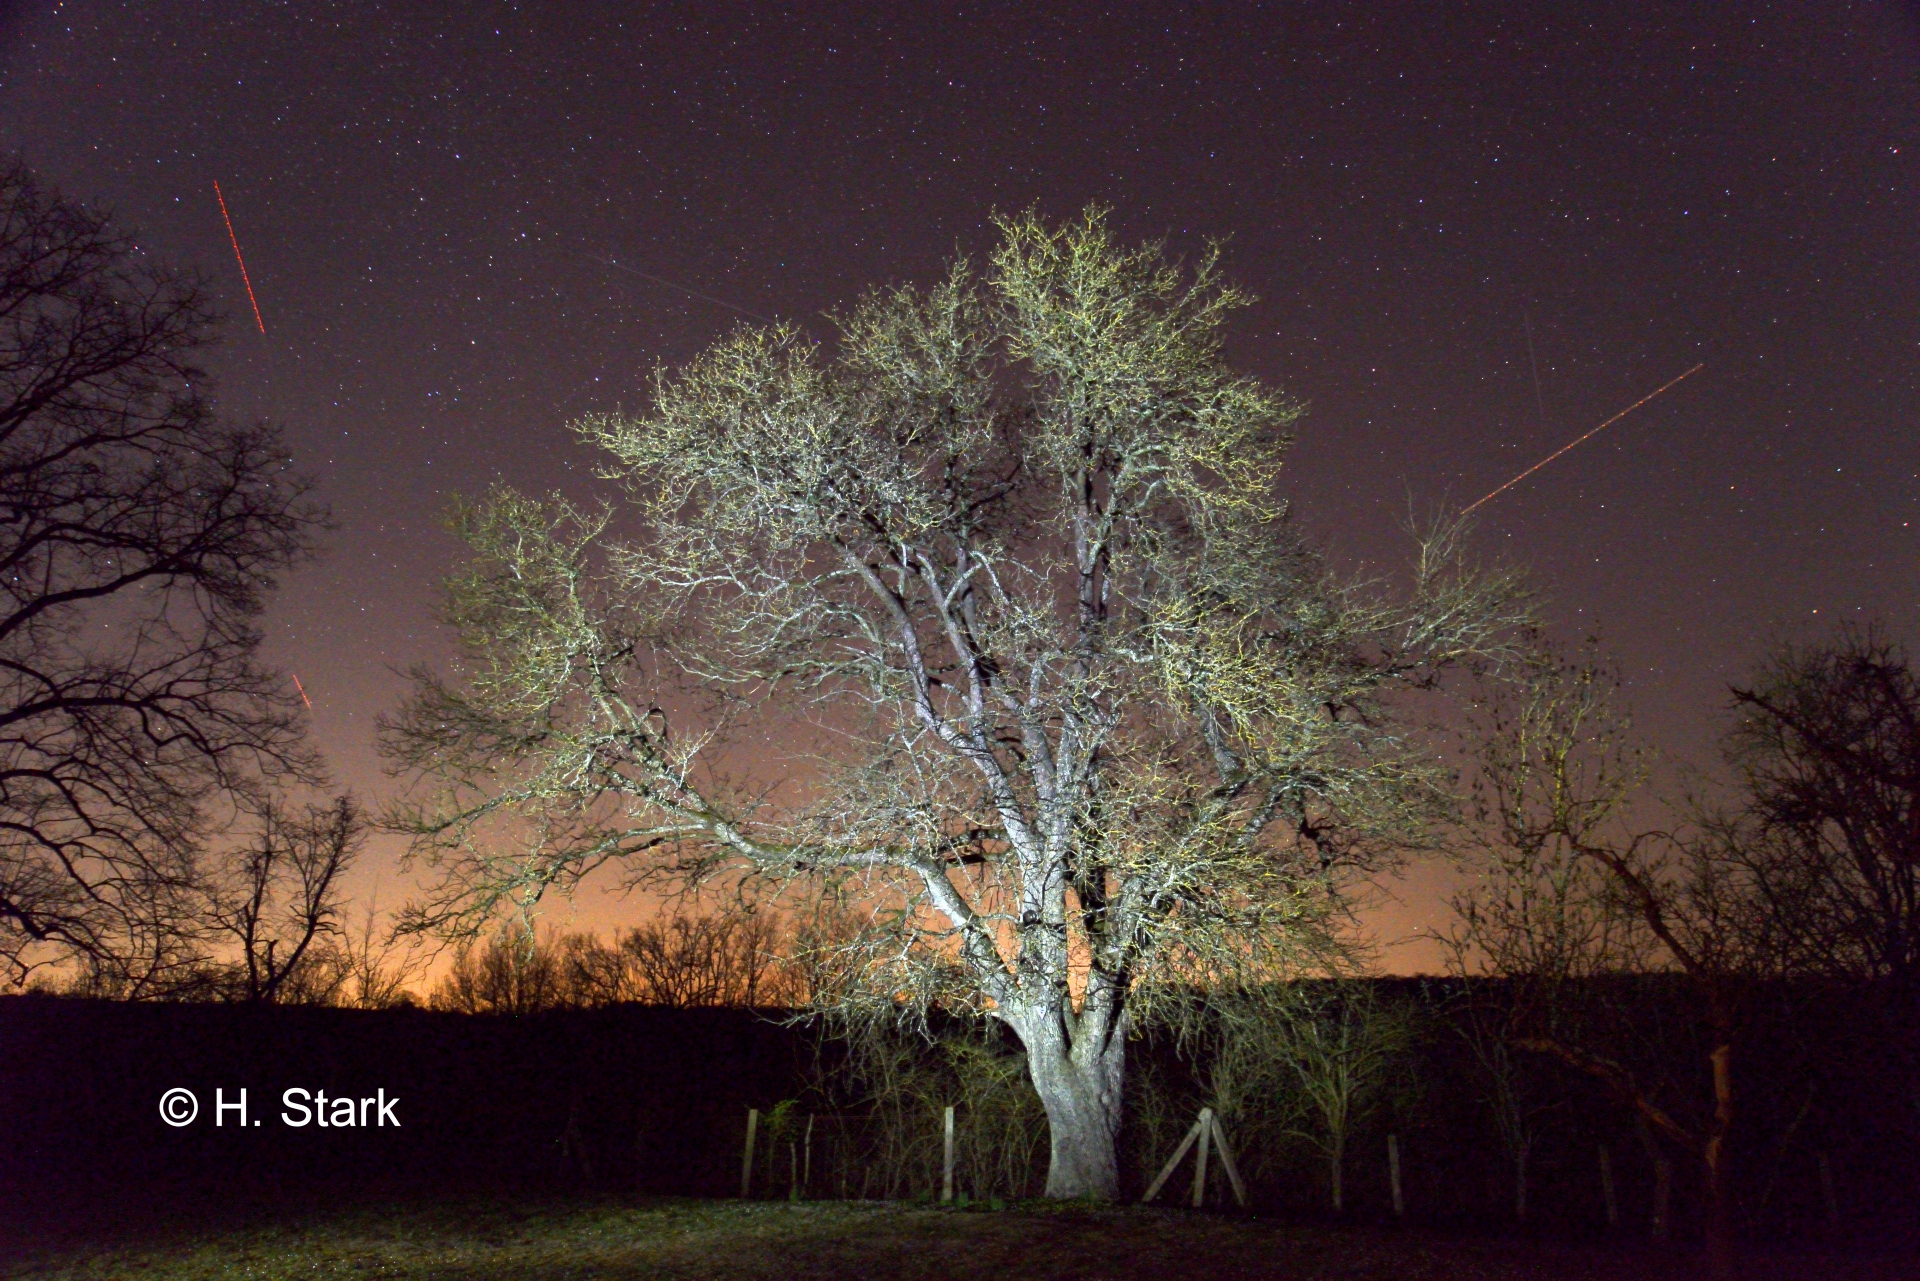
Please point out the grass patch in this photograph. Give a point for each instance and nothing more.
(726, 1240)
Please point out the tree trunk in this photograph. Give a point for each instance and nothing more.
(1662, 1176)
(1078, 1081)
(1607, 1197)
(1714, 1156)
(1337, 1161)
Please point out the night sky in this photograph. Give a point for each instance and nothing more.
(428, 197)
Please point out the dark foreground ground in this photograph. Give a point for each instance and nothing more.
(669, 1239)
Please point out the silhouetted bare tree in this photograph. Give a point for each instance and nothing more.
(508, 974)
(139, 538)
(716, 958)
(375, 970)
(1826, 750)
(280, 903)
(1578, 905)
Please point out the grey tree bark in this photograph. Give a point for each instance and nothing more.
(1079, 1082)
(1102, 726)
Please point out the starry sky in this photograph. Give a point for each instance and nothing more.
(467, 223)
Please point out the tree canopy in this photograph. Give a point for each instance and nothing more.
(1106, 724)
(1826, 753)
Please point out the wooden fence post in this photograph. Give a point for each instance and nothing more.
(806, 1167)
(946, 1160)
(1206, 1131)
(746, 1158)
(640, 1154)
(1393, 1175)
(1200, 1162)
(1606, 1187)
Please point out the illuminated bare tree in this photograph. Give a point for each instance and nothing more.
(139, 538)
(1339, 1043)
(1110, 728)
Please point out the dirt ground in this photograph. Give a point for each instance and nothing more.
(668, 1240)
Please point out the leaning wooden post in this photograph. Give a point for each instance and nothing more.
(1606, 1187)
(946, 1161)
(1200, 1162)
(1173, 1163)
(1227, 1162)
(1393, 1175)
(746, 1158)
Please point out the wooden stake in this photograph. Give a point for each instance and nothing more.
(746, 1159)
(1200, 1163)
(1166, 1171)
(1226, 1160)
(1662, 1194)
(1606, 1187)
(1662, 1176)
(806, 1168)
(946, 1162)
(640, 1154)
(1393, 1175)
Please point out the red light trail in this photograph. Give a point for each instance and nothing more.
(243, 274)
(303, 690)
(1596, 431)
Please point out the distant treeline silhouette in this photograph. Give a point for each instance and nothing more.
(686, 959)
(681, 961)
